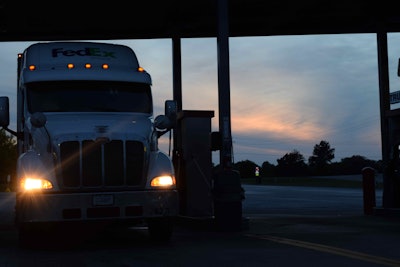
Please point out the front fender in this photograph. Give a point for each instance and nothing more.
(160, 164)
(32, 163)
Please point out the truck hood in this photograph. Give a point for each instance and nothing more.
(79, 126)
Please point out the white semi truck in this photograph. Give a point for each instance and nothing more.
(88, 142)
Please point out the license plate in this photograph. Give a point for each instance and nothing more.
(103, 200)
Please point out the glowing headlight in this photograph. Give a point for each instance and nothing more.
(163, 181)
(35, 183)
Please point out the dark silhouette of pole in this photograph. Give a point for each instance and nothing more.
(384, 99)
(224, 86)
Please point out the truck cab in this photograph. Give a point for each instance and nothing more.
(88, 140)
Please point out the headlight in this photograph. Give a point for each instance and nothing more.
(35, 183)
(163, 181)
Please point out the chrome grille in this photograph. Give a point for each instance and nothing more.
(89, 163)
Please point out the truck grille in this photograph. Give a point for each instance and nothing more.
(96, 164)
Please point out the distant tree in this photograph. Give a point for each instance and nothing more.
(268, 169)
(8, 156)
(354, 165)
(321, 158)
(246, 168)
(292, 164)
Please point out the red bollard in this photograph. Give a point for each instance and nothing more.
(368, 175)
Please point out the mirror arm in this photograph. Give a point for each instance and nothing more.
(19, 135)
(161, 133)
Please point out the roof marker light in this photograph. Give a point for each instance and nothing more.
(88, 66)
(105, 66)
(32, 67)
(140, 69)
(70, 66)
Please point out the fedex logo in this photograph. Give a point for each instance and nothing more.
(88, 51)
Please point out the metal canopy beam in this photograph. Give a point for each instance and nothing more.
(85, 20)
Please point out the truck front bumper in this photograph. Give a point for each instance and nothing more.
(127, 205)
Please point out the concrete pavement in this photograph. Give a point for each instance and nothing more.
(333, 235)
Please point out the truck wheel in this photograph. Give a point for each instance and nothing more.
(160, 229)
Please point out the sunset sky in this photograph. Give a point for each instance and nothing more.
(287, 92)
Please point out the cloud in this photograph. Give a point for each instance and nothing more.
(290, 92)
(306, 89)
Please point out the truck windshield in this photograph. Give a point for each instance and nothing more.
(89, 96)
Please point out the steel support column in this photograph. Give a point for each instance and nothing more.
(224, 85)
(177, 71)
(384, 92)
(177, 131)
(176, 84)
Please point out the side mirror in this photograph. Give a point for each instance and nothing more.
(171, 111)
(162, 122)
(4, 112)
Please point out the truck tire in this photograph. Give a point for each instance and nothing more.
(160, 229)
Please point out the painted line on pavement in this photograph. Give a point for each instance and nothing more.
(331, 250)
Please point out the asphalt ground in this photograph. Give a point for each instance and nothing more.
(283, 233)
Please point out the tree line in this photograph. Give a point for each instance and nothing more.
(319, 163)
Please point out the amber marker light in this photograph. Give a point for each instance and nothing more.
(88, 66)
(105, 66)
(32, 67)
(140, 69)
(70, 66)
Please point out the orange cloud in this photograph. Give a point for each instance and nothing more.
(295, 128)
